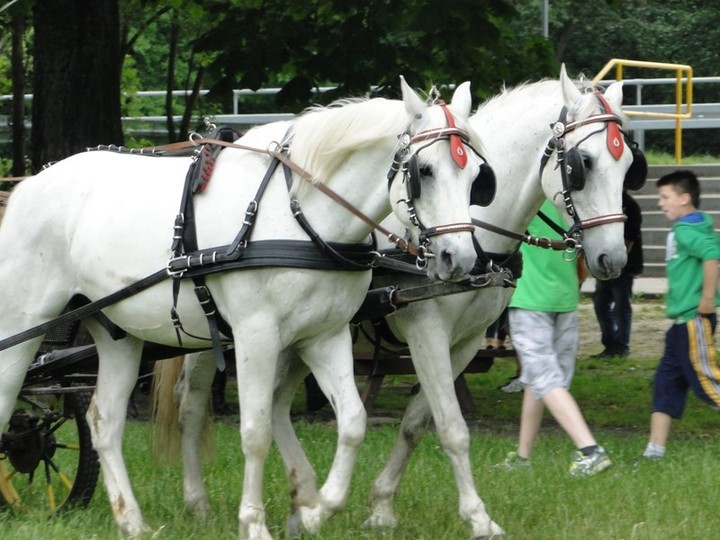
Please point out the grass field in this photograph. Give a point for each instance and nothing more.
(637, 500)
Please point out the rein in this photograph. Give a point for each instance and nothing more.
(542, 242)
(401, 243)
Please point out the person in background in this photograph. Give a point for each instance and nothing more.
(612, 299)
(496, 333)
(689, 359)
(544, 326)
(495, 338)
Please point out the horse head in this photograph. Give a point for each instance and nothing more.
(596, 160)
(432, 176)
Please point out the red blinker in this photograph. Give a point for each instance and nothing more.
(457, 150)
(615, 143)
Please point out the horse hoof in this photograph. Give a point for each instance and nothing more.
(198, 508)
(306, 519)
(141, 531)
(377, 522)
(496, 533)
(254, 531)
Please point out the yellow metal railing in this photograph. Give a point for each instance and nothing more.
(682, 110)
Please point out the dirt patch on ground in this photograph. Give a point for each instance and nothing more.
(648, 329)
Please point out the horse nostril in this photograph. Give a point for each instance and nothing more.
(447, 257)
(602, 263)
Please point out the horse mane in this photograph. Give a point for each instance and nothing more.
(323, 137)
(547, 88)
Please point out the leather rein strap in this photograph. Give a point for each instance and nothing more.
(401, 243)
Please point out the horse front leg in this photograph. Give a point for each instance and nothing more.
(331, 361)
(413, 427)
(119, 363)
(256, 361)
(430, 351)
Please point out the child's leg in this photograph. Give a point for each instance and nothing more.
(659, 428)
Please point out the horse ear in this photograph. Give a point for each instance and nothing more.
(614, 95)
(462, 100)
(572, 97)
(414, 105)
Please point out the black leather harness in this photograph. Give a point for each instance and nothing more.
(190, 262)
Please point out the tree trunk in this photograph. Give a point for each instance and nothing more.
(18, 92)
(170, 80)
(76, 101)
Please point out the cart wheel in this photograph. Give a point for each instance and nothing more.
(47, 462)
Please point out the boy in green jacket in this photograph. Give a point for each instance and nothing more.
(692, 258)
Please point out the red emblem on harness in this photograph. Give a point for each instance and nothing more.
(615, 142)
(456, 145)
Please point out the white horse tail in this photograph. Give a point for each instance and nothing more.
(168, 392)
(164, 410)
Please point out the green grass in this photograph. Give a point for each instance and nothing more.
(630, 501)
(663, 158)
(633, 500)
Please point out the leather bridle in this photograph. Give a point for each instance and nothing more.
(557, 144)
(458, 139)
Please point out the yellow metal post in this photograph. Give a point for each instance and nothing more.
(679, 113)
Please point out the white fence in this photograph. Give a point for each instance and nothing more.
(704, 115)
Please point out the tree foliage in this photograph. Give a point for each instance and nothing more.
(356, 45)
(300, 46)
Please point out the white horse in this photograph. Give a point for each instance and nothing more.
(99, 221)
(444, 333)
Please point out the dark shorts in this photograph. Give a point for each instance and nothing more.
(689, 361)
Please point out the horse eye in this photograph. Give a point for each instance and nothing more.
(587, 163)
(425, 170)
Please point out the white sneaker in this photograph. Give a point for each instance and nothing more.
(596, 462)
(513, 386)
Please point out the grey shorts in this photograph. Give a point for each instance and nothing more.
(547, 345)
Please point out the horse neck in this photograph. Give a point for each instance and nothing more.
(514, 130)
(362, 182)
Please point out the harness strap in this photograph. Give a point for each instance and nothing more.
(321, 244)
(185, 241)
(401, 243)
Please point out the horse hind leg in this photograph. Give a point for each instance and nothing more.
(413, 427)
(119, 362)
(301, 474)
(193, 396)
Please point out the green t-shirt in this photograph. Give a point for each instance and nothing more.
(691, 242)
(549, 282)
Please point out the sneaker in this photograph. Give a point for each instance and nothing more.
(654, 452)
(596, 462)
(512, 386)
(513, 462)
(603, 355)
